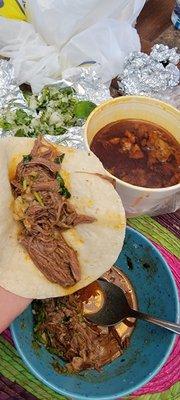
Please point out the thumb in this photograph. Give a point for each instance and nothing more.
(11, 306)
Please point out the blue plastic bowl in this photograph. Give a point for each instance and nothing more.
(150, 345)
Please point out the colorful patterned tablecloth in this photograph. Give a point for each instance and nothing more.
(17, 383)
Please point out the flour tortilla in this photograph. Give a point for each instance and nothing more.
(98, 244)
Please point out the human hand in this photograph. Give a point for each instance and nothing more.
(11, 306)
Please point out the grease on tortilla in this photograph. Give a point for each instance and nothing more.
(15, 160)
(112, 220)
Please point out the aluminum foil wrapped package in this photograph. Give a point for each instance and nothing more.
(151, 75)
(162, 53)
(87, 83)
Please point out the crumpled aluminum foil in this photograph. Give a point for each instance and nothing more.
(73, 138)
(85, 81)
(10, 94)
(162, 53)
(11, 97)
(152, 75)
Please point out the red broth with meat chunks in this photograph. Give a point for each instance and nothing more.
(139, 152)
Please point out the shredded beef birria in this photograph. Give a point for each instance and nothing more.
(59, 325)
(42, 206)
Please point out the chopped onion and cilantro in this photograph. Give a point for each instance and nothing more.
(52, 112)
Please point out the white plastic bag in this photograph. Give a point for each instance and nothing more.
(65, 33)
(34, 62)
(104, 43)
(58, 21)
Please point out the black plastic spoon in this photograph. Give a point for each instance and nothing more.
(115, 308)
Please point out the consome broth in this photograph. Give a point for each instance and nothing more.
(139, 152)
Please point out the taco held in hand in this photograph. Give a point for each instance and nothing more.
(62, 222)
(42, 206)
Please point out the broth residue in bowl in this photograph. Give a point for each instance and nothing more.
(139, 152)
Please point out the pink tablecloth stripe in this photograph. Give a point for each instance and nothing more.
(170, 373)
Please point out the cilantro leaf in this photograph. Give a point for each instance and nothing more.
(22, 118)
(62, 189)
(6, 126)
(27, 158)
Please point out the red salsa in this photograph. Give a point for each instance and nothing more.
(139, 152)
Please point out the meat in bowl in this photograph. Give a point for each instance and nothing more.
(60, 326)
